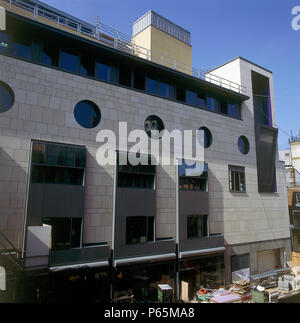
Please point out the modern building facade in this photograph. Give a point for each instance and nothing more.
(291, 158)
(74, 230)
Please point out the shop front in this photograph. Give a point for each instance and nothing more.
(201, 272)
(139, 283)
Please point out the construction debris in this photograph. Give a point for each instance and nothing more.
(267, 287)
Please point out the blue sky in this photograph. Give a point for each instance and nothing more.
(258, 30)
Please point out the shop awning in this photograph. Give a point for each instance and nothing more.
(80, 266)
(201, 252)
(126, 261)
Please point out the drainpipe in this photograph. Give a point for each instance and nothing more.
(177, 232)
(112, 256)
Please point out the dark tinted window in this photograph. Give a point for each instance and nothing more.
(201, 101)
(139, 81)
(56, 175)
(7, 97)
(191, 97)
(213, 104)
(193, 177)
(234, 110)
(136, 176)
(22, 47)
(87, 114)
(152, 86)
(205, 137)
(224, 107)
(58, 155)
(69, 61)
(50, 55)
(87, 66)
(165, 90)
(106, 72)
(4, 42)
(125, 77)
(244, 146)
(180, 94)
(66, 232)
(197, 226)
(139, 229)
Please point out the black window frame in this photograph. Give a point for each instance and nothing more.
(136, 177)
(194, 183)
(234, 178)
(204, 218)
(149, 221)
(73, 241)
(51, 171)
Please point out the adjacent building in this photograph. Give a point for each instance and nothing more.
(291, 158)
(72, 230)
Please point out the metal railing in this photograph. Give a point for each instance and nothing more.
(113, 38)
(7, 249)
(294, 139)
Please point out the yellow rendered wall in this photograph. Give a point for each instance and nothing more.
(165, 49)
(143, 42)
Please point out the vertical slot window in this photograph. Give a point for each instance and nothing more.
(50, 55)
(125, 77)
(69, 61)
(87, 66)
(22, 47)
(139, 81)
(151, 86)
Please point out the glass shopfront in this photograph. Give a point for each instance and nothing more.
(204, 272)
(139, 283)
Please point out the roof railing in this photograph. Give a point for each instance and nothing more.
(113, 38)
(295, 139)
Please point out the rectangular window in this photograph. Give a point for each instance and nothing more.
(69, 61)
(87, 66)
(152, 86)
(139, 81)
(234, 110)
(66, 232)
(180, 94)
(50, 55)
(240, 262)
(194, 177)
(125, 77)
(201, 101)
(298, 199)
(139, 230)
(22, 47)
(4, 43)
(237, 182)
(213, 104)
(165, 90)
(191, 97)
(197, 226)
(57, 164)
(223, 107)
(106, 72)
(139, 176)
(56, 175)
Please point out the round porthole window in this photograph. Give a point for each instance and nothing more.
(205, 137)
(244, 146)
(154, 127)
(87, 114)
(7, 97)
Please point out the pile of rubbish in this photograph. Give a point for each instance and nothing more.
(268, 287)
